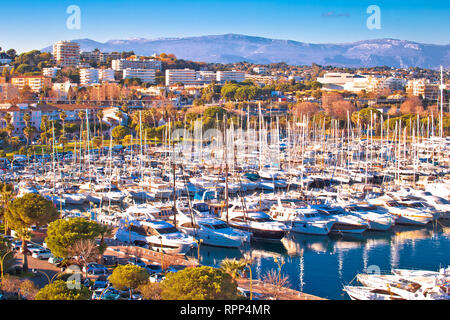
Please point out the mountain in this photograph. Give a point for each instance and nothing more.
(230, 48)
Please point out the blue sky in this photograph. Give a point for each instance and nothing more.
(36, 24)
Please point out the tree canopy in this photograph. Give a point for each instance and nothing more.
(64, 233)
(59, 290)
(201, 283)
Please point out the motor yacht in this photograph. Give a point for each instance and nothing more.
(301, 219)
(258, 223)
(211, 231)
(157, 235)
(344, 221)
(377, 218)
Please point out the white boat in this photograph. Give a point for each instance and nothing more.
(344, 221)
(368, 293)
(403, 214)
(441, 204)
(157, 235)
(258, 223)
(377, 218)
(301, 219)
(212, 232)
(418, 288)
(74, 198)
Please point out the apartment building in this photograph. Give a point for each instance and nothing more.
(224, 76)
(206, 76)
(88, 76)
(146, 75)
(36, 83)
(50, 72)
(61, 90)
(336, 80)
(423, 88)
(183, 76)
(66, 53)
(8, 91)
(121, 64)
(98, 56)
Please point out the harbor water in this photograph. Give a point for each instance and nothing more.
(322, 265)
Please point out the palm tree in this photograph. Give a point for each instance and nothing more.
(10, 129)
(100, 117)
(119, 115)
(29, 133)
(44, 123)
(26, 119)
(6, 195)
(63, 117)
(233, 267)
(105, 231)
(63, 140)
(7, 117)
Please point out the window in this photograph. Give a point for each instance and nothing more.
(167, 230)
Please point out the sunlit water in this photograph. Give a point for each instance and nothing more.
(321, 265)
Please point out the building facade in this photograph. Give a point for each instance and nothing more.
(183, 76)
(66, 53)
(121, 64)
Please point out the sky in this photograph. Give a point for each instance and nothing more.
(35, 24)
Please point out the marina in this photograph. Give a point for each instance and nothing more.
(328, 202)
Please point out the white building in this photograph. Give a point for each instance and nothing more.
(61, 89)
(335, 80)
(146, 75)
(260, 70)
(50, 72)
(184, 76)
(66, 53)
(296, 78)
(121, 64)
(89, 76)
(205, 76)
(106, 75)
(224, 76)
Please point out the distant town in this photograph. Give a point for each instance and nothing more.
(69, 80)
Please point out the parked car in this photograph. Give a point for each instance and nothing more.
(100, 269)
(153, 268)
(137, 262)
(157, 277)
(99, 284)
(106, 294)
(54, 260)
(41, 254)
(32, 247)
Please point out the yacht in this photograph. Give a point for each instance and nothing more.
(418, 288)
(402, 213)
(345, 222)
(301, 219)
(368, 293)
(441, 204)
(212, 232)
(258, 223)
(377, 218)
(157, 235)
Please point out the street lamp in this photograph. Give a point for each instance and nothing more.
(2, 260)
(199, 241)
(162, 253)
(248, 265)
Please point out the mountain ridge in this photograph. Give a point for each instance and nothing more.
(229, 48)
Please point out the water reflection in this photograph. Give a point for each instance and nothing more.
(322, 264)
